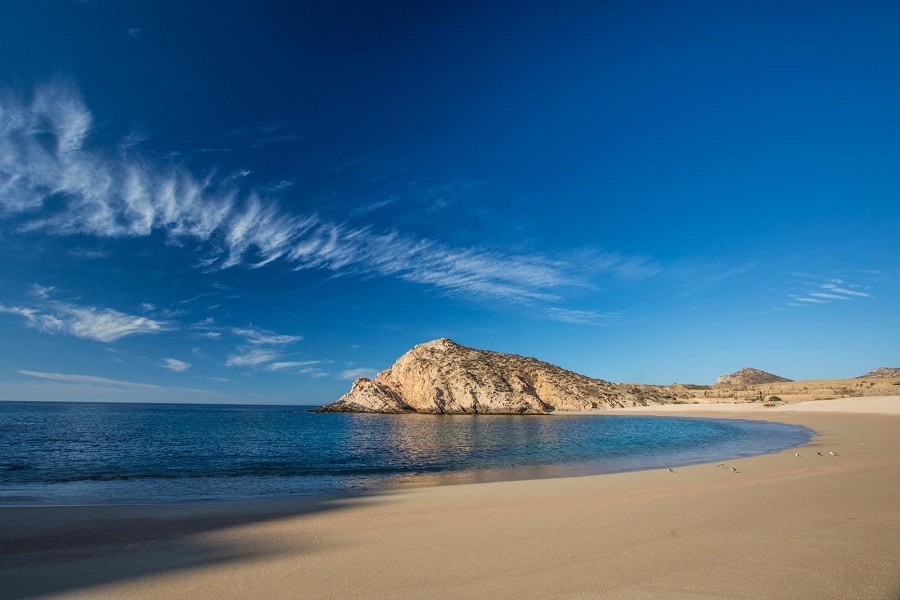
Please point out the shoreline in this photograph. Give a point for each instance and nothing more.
(745, 440)
(779, 527)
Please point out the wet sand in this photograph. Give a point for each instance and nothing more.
(778, 526)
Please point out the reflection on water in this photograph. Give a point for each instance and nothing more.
(460, 447)
(80, 453)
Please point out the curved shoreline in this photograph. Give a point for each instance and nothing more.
(780, 526)
(580, 447)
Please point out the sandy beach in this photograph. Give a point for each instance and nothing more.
(773, 526)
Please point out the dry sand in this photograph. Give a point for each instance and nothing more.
(780, 527)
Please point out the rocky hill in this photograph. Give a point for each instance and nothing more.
(749, 376)
(443, 377)
(882, 372)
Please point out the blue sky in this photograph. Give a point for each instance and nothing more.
(222, 202)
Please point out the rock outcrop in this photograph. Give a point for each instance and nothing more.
(749, 376)
(443, 377)
(882, 372)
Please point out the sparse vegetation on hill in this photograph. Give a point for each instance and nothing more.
(883, 372)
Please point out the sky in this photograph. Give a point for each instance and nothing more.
(257, 202)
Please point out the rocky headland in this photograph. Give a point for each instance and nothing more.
(443, 377)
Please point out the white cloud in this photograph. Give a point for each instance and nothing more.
(30, 314)
(839, 290)
(280, 185)
(261, 337)
(210, 335)
(207, 329)
(173, 364)
(828, 296)
(41, 292)
(102, 325)
(292, 365)
(834, 290)
(581, 317)
(350, 374)
(88, 322)
(251, 357)
(309, 368)
(91, 388)
(44, 153)
(91, 380)
(260, 348)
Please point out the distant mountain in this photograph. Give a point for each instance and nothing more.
(749, 376)
(882, 372)
(443, 377)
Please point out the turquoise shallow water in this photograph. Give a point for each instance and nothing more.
(82, 453)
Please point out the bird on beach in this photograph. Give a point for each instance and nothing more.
(797, 454)
(735, 470)
(819, 453)
(832, 452)
(671, 470)
(721, 465)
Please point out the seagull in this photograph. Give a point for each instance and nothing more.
(735, 470)
(819, 453)
(671, 470)
(833, 453)
(797, 454)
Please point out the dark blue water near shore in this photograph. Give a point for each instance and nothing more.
(76, 453)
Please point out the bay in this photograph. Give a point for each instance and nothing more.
(95, 453)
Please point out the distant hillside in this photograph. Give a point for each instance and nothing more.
(882, 372)
(749, 376)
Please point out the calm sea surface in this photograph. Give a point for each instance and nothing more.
(74, 453)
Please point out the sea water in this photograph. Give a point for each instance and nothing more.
(95, 453)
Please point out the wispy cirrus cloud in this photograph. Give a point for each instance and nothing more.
(261, 337)
(834, 286)
(207, 329)
(251, 357)
(93, 388)
(41, 292)
(261, 349)
(832, 290)
(292, 365)
(92, 380)
(582, 317)
(310, 368)
(87, 322)
(54, 181)
(29, 314)
(809, 300)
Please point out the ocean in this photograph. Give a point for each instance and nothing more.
(59, 453)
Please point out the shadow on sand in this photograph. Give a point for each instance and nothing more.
(54, 550)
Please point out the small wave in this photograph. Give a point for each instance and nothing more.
(14, 467)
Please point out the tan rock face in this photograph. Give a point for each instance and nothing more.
(749, 376)
(444, 377)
